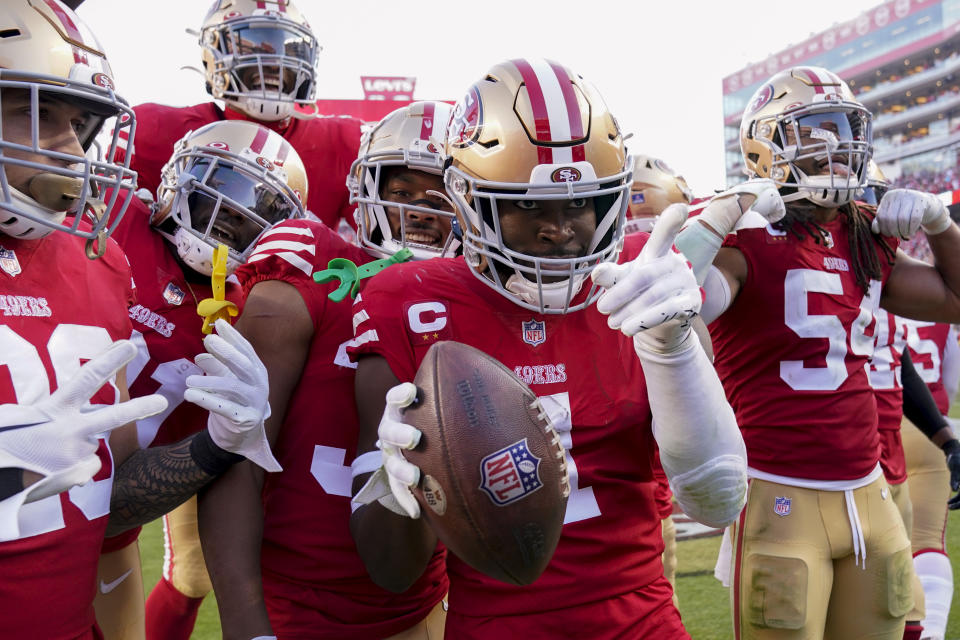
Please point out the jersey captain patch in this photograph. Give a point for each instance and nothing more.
(427, 321)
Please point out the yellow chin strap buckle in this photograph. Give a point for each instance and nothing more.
(216, 308)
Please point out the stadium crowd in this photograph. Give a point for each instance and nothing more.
(186, 335)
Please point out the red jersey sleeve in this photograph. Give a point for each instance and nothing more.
(292, 252)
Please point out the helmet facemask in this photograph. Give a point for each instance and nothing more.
(542, 284)
(819, 152)
(220, 198)
(265, 66)
(63, 184)
(375, 232)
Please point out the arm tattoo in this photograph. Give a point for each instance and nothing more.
(151, 482)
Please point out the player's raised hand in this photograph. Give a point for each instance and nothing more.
(755, 202)
(902, 211)
(654, 296)
(235, 391)
(391, 484)
(57, 437)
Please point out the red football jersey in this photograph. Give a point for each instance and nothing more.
(58, 309)
(792, 352)
(885, 379)
(306, 535)
(327, 145)
(927, 342)
(590, 381)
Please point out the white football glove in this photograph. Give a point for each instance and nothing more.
(235, 391)
(703, 236)
(57, 437)
(654, 296)
(902, 211)
(390, 485)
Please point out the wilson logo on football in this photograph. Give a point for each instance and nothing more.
(102, 80)
(566, 174)
(263, 162)
(467, 121)
(510, 474)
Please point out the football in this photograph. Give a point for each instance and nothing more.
(493, 482)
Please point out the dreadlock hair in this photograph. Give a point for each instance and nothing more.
(866, 249)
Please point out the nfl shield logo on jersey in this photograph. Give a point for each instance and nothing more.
(173, 294)
(534, 332)
(510, 474)
(9, 262)
(781, 506)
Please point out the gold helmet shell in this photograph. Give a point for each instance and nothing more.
(260, 57)
(813, 104)
(46, 47)
(412, 136)
(535, 130)
(228, 182)
(655, 187)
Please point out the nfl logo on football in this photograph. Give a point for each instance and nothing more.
(534, 332)
(510, 474)
(781, 506)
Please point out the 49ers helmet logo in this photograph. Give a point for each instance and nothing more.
(467, 120)
(761, 98)
(102, 80)
(263, 162)
(566, 174)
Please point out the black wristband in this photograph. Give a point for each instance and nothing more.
(11, 482)
(211, 459)
(950, 446)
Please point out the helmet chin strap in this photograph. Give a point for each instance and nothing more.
(197, 254)
(554, 293)
(50, 197)
(263, 109)
(820, 190)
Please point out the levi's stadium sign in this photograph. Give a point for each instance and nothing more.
(388, 87)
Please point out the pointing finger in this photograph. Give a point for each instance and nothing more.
(665, 231)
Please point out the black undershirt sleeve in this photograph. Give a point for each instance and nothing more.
(918, 403)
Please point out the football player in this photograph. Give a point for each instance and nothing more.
(63, 339)
(540, 177)
(278, 547)
(794, 303)
(259, 58)
(228, 182)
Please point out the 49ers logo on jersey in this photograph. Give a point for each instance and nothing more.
(467, 120)
(427, 321)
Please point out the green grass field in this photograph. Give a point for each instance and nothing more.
(703, 600)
